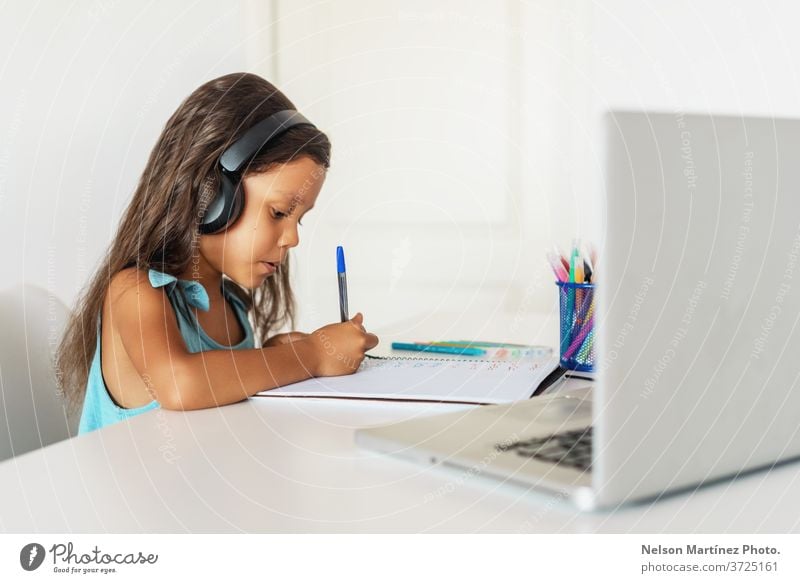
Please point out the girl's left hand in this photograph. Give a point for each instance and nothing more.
(285, 338)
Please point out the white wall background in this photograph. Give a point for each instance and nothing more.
(85, 88)
(465, 133)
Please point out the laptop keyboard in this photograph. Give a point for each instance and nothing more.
(570, 448)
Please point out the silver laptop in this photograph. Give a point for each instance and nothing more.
(698, 333)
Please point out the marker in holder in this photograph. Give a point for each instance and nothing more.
(576, 318)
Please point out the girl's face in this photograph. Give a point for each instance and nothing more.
(274, 204)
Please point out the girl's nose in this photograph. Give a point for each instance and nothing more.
(289, 236)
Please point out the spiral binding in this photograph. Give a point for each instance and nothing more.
(436, 359)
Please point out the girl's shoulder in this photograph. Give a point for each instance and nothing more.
(134, 309)
(129, 280)
(128, 276)
(132, 288)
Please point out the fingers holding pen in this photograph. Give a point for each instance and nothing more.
(370, 340)
(340, 347)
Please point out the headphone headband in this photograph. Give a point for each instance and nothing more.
(254, 139)
(227, 205)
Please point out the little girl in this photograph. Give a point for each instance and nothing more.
(200, 259)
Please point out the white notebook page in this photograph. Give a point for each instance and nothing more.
(470, 381)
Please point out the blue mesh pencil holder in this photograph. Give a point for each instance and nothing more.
(576, 319)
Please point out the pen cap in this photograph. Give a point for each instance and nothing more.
(340, 260)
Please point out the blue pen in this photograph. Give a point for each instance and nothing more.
(342, 284)
(441, 349)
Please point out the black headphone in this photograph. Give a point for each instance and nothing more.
(228, 202)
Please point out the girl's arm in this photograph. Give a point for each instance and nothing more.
(284, 338)
(177, 379)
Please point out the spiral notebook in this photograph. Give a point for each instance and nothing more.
(405, 378)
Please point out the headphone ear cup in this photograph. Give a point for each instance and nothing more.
(225, 208)
(237, 204)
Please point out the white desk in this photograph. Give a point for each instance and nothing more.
(290, 465)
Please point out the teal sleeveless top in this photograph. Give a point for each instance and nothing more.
(99, 410)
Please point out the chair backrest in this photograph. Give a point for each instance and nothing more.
(33, 413)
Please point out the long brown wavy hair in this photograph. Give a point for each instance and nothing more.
(160, 227)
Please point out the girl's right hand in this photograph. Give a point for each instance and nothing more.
(340, 348)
